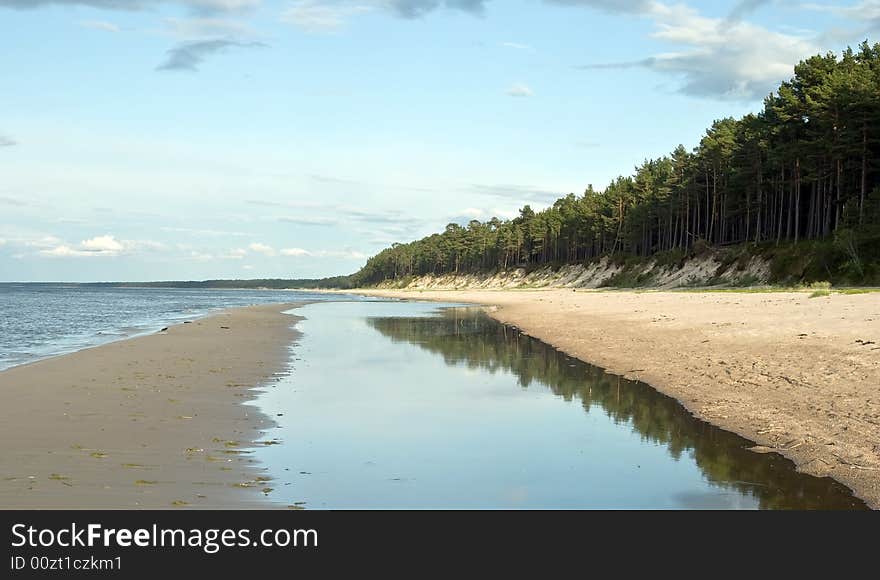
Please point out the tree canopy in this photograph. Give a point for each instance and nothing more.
(803, 168)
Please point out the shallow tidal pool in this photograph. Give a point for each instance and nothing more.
(415, 405)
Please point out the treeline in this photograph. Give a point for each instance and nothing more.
(804, 168)
(270, 284)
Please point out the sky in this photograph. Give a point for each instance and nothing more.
(200, 139)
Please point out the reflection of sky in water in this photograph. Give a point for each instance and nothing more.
(384, 413)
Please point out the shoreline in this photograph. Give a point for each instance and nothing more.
(136, 329)
(148, 422)
(798, 376)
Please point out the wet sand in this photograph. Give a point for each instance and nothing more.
(798, 375)
(151, 422)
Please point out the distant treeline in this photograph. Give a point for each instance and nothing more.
(271, 284)
(803, 170)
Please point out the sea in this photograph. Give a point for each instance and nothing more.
(38, 321)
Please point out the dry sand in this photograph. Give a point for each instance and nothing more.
(798, 375)
(150, 422)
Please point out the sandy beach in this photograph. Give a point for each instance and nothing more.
(158, 421)
(150, 422)
(798, 375)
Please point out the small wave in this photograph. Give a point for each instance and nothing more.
(46, 320)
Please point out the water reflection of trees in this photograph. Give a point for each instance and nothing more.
(468, 337)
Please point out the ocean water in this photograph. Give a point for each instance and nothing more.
(42, 320)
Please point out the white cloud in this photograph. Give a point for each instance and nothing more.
(520, 90)
(486, 214)
(225, 5)
(320, 16)
(200, 6)
(99, 246)
(309, 221)
(719, 57)
(70, 220)
(200, 256)
(100, 25)
(506, 214)
(330, 15)
(41, 242)
(236, 254)
(864, 10)
(200, 232)
(516, 46)
(518, 194)
(346, 254)
(63, 252)
(102, 244)
(138, 245)
(195, 28)
(742, 60)
(262, 249)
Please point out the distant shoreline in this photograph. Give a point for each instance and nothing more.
(71, 331)
(797, 375)
(255, 284)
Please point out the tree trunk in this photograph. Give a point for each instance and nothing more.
(839, 188)
(797, 201)
(864, 188)
(781, 193)
(708, 219)
(711, 235)
(760, 201)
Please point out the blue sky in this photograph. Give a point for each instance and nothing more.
(193, 139)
